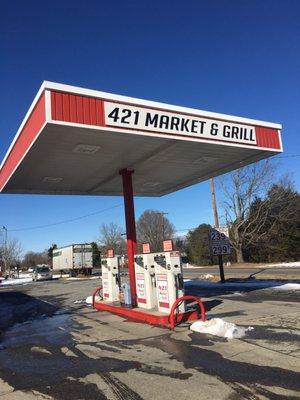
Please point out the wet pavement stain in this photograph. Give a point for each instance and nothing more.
(228, 371)
(271, 334)
(52, 372)
(62, 377)
(18, 307)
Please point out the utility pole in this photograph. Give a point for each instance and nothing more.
(216, 223)
(5, 246)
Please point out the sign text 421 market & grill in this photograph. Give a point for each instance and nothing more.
(151, 120)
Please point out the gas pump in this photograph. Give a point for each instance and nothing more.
(169, 280)
(145, 280)
(110, 278)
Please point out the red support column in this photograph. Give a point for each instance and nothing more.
(130, 229)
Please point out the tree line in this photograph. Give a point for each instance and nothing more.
(270, 233)
(263, 216)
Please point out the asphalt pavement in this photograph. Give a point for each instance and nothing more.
(52, 346)
(246, 272)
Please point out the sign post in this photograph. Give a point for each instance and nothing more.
(220, 245)
(216, 219)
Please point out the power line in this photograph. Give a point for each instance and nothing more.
(104, 210)
(65, 221)
(289, 156)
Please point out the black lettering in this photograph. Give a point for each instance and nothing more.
(226, 131)
(243, 134)
(136, 118)
(194, 126)
(164, 122)
(184, 123)
(114, 114)
(174, 123)
(126, 116)
(202, 123)
(251, 136)
(214, 129)
(235, 132)
(151, 120)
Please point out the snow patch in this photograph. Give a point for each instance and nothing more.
(221, 328)
(89, 299)
(284, 264)
(82, 278)
(16, 281)
(288, 286)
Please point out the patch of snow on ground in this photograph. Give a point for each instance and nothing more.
(284, 264)
(75, 278)
(234, 294)
(89, 299)
(288, 286)
(16, 281)
(221, 328)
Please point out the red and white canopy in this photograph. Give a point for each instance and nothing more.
(75, 141)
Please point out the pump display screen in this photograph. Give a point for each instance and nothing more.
(161, 260)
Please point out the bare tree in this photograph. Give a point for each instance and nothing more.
(10, 253)
(240, 189)
(154, 227)
(32, 258)
(111, 236)
(254, 205)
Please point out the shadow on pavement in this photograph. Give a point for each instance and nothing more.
(17, 307)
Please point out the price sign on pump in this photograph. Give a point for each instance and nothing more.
(219, 241)
(146, 248)
(110, 253)
(141, 288)
(162, 288)
(168, 245)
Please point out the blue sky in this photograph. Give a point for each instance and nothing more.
(235, 57)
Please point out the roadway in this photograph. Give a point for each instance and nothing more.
(245, 272)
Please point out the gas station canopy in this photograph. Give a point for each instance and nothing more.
(75, 141)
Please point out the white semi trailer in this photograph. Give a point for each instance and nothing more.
(74, 259)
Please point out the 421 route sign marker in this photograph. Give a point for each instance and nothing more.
(219, 241)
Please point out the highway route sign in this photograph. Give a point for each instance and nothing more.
(219, 241)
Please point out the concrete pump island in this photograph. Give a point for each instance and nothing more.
(88, 142)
